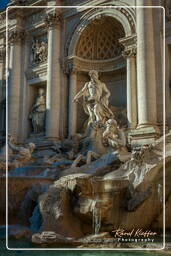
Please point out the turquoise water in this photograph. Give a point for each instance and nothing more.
(13, 243)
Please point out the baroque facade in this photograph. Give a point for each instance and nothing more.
(52, 50)
(85, 110)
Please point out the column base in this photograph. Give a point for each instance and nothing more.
(144, 136)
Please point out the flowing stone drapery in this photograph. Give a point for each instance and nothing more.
(130, 56)
(72, 105)
(146, 76)
(53, 93)
(15, 41)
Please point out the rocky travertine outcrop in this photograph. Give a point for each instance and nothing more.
(23, 195)
(56, 209)
(129, 197)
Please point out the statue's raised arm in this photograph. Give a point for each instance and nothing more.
(80, 93)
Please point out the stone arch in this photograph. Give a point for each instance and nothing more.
(112, 68)
(121, 14)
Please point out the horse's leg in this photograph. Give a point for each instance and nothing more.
(91, 154)
(88, 160)
(95, 155)
(77, 160)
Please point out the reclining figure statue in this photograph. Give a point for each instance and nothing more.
(17, 155)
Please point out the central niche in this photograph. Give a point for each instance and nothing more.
(99, 49)
(100, 40)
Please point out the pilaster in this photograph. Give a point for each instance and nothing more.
(15, 41)
(147, 131)
(53, 93)
(72, 106)
(2, 91)
(129, 54)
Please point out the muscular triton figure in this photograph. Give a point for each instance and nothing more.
(95, 99)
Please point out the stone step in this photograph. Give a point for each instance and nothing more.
(41, 142)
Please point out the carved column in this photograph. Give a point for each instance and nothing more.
(146, 88)
(15, 40)
(25, 91)
(159, 47)
(1, 71)
(2, 93)
(168, 85)
(130, 56)
(72, 105)
(53, 94)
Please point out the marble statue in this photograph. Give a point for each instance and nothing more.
(34, 47)
(91, 146)
(37, 114)
(17, 155)
(95, 99)
(21, 153)
(42, 52)
(113, 136)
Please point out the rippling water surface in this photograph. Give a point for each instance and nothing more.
(22, 244)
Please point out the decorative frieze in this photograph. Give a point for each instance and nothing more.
(87, 65)
(35, 18)
(52, 19)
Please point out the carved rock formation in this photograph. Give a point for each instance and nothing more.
(117, 199)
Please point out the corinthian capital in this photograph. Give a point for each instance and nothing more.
(52, 19)
(16, 36)
(130, 52)
(130, 46)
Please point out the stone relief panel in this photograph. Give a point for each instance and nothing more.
(39, 50)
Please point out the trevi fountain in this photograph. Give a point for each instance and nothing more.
(85, 158)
